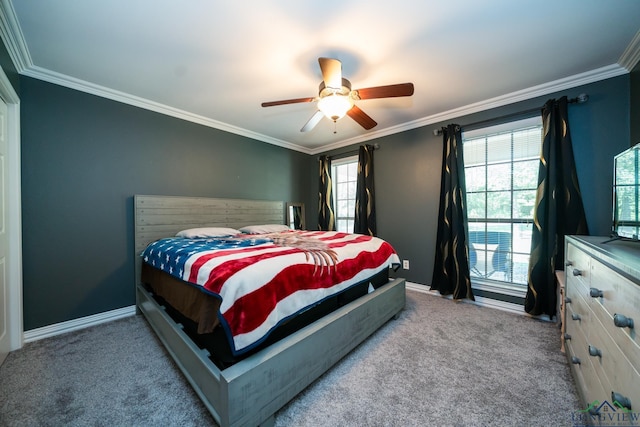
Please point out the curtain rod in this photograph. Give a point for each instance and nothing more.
(376, 146)
(580, 99)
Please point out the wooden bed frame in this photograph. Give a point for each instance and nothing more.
(252, 390)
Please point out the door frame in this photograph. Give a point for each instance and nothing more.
(13, 213)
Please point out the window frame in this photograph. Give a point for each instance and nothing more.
(334, 190)
(487, 284)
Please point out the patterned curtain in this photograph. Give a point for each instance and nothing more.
(365, 216)
(326, 219)
(451, 267)
(558, 209)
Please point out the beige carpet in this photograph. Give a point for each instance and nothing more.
(441, 363)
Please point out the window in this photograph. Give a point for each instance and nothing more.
(501, 173)
(344, 173)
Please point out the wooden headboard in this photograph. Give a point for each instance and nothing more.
(156, 217)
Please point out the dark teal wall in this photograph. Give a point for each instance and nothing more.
(407, 168)
(83, 159)
(635, 105)
(9, 69)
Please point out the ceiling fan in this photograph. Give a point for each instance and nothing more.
(336, 99)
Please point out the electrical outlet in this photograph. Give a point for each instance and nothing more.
(405, 264)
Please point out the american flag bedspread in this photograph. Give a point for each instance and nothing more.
(263, 280)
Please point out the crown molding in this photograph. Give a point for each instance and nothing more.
(12, 37)
(510, 98)
(631, 55)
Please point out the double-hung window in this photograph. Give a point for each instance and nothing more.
(501, 173)
(344, 173)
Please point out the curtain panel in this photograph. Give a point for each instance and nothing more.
(326, 218)
(558, 209)
(451, 268)
(365, 215)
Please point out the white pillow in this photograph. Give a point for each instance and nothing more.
(203, 232)
(264, 228)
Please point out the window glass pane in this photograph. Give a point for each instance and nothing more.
(475, 152)
(523, 203)
(522, 238)
(475, 178)
(477, 226)
(342, 175)
(351, 190)
(499, 205)
(499, 177)
(476, 207)
(525, 174)
(352, 208)
(477, 260)
(498, 227)
(343, 208)
(342, 190)
(499, 148)
(520, 268)
(527, 143)
(352, 169)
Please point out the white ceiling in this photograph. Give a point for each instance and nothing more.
(214, 62)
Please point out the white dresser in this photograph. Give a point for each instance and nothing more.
(602, 318)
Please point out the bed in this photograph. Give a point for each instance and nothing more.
(250, 383)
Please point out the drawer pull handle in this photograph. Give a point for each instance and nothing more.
(576, 272)
(622, 321)
(596, 293)
(594, 351)
(567, 337)
(567, 300)
(576, 316)
(622, 400)
(575, 360)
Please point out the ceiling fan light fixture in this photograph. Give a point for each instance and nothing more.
(335, 106)
(336, 99)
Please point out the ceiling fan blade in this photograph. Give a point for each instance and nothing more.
(361, 117)
(390, 91)
(287, 101)
(331, 72)
(313, 121)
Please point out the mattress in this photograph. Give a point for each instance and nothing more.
(274, 283)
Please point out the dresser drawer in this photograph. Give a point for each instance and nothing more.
(619, 296)
(577, 264)
(580, 306)
(590, 308)
(615, 372)
(587, 380)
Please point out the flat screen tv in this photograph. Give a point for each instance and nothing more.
(626, 194)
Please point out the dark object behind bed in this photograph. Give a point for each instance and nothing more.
(216, 342)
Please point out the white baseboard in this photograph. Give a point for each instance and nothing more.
(481, 301)
(75, 324)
